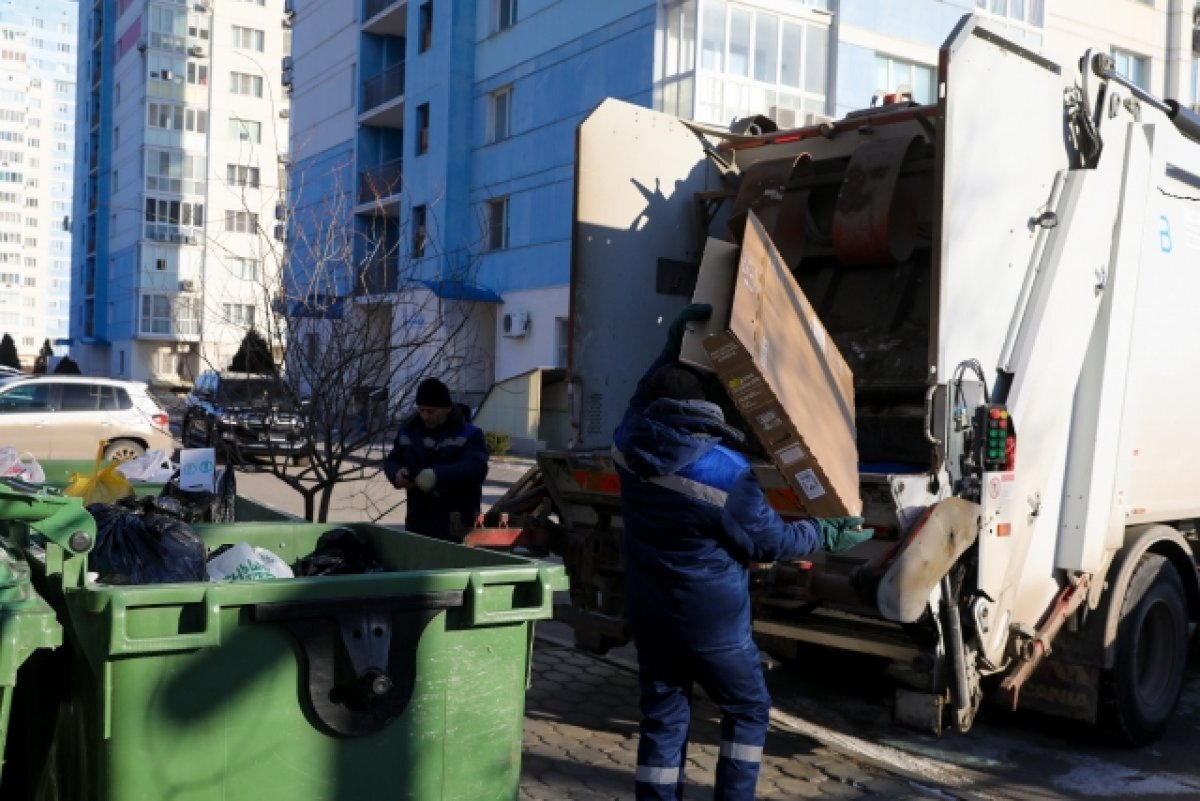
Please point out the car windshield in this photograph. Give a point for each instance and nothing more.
(251, 392)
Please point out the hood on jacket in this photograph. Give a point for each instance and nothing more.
(671, 434)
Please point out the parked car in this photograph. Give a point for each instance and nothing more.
(66, 417)
(245, 414)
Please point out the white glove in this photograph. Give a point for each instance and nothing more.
(426, 479)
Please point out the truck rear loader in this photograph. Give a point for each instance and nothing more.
(1011, 274)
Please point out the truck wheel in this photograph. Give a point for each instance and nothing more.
(1138, 695)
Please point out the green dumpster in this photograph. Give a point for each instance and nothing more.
(58, 475)
(27, 623)
(406, 684)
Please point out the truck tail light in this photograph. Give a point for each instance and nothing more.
(161, 420)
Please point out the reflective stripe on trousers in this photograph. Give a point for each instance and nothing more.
(733, 679)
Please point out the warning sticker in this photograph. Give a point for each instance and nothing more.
(791, 455)
(810, 484)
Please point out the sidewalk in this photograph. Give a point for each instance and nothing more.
(581, 735)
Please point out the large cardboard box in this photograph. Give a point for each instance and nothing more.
(714, 286)
(788, 379)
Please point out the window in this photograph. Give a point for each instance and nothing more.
(425, 21)
(248, 38)
(892, 74)
(241, 222)
(418, 231)
(25, 398)
(156, 314)
(91, 398)
(500, 116)
(242, 84)
(497, 224)
(243, 268)
(245, 130)
(176, 172)
(173, 212)
(506, 14)
(1132, 66)
(238, 313)
(422, 128)
(197, 74)
(241, 175)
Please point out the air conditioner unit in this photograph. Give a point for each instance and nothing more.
(187, 285)
(141, 45)
(286, 78)
(196, 50)
(289, 7)
(813, 118)
(784, 117)
(202, 6)
(280, 232)
(282, 158)
(284, 113)
(286, 63)
(183, 347)
(279, 211)
(286, 23)
(515, 324)
(167, 75)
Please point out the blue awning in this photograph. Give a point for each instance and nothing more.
(461, 290)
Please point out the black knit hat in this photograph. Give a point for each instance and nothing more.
(432, 392)
(676, 382)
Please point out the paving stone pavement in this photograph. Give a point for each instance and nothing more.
(581, 719)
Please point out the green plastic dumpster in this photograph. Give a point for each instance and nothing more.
(58, 475)
(407, 684)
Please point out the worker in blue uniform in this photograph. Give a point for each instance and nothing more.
(694, 518)
(441, 460)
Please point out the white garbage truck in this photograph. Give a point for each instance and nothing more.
(1011, 274)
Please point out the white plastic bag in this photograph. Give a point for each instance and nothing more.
(24, 466)
(244, 562)
(153, 466)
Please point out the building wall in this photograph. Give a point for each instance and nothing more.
(165, 283)
(37, 121)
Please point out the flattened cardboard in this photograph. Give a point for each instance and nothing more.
(714, 285)
(785, 374)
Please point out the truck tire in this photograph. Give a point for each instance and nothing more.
(1138, 695)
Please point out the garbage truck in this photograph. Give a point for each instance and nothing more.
(1010, 275)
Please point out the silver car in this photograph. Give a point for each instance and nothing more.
(66, 417)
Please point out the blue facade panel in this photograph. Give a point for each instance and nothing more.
(534, 167)
(321, 199)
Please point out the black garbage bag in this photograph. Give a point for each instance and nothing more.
(339, 552)
(200, 506)
(139, 541)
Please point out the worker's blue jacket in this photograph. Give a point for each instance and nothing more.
(457, 453)
(694, 517)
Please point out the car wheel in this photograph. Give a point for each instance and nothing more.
(122, 450)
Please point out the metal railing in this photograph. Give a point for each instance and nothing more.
(383, 86)
(380, 182)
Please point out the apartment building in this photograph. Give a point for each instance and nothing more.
(181, 154)
(445, 128)
(37, 123)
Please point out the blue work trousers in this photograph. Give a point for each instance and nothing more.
(733, 679)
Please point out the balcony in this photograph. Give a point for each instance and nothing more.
(379, 276)
(383, 98)
(378, 184)
(387, 17)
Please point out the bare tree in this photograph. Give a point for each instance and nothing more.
(359, 308)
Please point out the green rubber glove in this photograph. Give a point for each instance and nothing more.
(841, 533)
(690, 313)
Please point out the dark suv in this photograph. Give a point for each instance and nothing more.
(245, 414)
